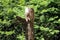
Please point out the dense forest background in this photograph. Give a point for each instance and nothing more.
(46, 23)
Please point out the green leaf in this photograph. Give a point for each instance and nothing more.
(42, 18)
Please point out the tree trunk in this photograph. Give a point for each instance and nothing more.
(30, 21)
(29, 31)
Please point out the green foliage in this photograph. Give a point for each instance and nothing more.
(46, 23)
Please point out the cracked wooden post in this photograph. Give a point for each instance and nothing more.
(29, 16)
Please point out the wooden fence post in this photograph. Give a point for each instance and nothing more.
(29, 14)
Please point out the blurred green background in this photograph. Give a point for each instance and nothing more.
(46, 23)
